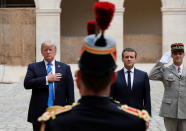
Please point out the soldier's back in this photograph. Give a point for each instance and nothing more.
(96, 113)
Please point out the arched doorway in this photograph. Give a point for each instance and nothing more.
(143, 29)
(74, 18)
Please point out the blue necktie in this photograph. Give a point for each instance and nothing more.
(50, 96)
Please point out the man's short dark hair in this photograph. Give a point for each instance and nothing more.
(96, 83)
(129, 50)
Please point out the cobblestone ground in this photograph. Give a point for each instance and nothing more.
(157, 123)
(14, 101)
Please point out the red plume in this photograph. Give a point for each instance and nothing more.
(104, 12)
(91, 27)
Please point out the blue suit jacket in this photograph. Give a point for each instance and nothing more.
(35, 79)
(139, 97)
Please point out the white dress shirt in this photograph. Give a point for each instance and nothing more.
(181, 68)
(131, 75)
(53, 72)
(52, 66)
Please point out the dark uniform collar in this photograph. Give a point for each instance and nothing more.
(94, 99)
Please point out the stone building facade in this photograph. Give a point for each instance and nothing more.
(149, 26)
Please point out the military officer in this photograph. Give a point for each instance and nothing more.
(95, 111)
(173, 78)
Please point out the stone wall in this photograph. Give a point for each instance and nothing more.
(75, 15)
(148, 47)
(17, 36)
(70, 49)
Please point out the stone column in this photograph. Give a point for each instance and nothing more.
(116, 27)
(47, 24)
(174, 22)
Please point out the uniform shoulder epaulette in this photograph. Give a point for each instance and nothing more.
(141, 114)
(52, 111)
(115, 101)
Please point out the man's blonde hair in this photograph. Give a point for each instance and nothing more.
(48, 42)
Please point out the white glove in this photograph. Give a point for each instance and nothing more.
(166, 58)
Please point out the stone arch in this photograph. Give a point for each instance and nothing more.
(143, 29)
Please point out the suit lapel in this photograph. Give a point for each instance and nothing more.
(135, 79)
(122, 76)
(43, 68)
(183, 72)
(173, 70)
(57, 67)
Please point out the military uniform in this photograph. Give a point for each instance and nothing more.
(98, 113)
(174, 99)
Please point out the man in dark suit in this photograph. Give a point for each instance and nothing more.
(51, 83)
(132, 85)
(95, 111)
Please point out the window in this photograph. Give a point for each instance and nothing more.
(16, 3)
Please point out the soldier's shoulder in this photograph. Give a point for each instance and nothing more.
(142, 114)
(53, 111)
(114, 101)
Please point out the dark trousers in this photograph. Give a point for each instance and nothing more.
(36, 127)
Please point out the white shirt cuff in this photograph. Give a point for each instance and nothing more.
(46, 81)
